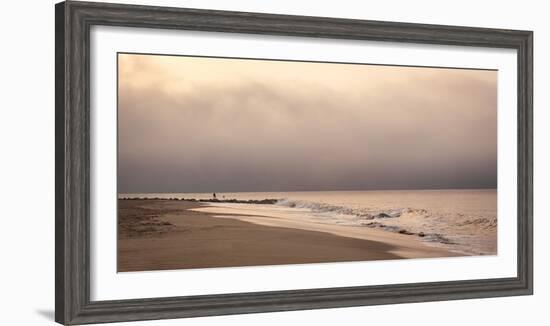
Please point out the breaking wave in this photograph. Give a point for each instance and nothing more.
(484, 222)
(408, 221)
(317, 207)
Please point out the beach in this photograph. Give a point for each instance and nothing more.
(158, 234)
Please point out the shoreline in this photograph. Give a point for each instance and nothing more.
(163, 235)
(406, 244)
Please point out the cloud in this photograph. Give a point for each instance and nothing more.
(201, 124)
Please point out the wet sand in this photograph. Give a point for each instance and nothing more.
(171, 234)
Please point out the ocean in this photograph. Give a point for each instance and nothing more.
(462, 221)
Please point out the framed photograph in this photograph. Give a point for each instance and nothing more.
(216, 162)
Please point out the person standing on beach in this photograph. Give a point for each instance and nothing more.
(214, 195)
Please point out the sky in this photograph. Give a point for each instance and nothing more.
(198, 124)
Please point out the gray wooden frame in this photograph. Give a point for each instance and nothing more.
(72, 167)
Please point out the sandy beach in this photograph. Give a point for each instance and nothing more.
(164, 234)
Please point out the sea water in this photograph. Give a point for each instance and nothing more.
(463, 221)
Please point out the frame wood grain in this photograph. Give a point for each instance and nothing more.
(72, 168)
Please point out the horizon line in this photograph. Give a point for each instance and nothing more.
(221, 192)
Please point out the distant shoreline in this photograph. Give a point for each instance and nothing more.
(267, 201)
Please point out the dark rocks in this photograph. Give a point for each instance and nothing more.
(366, 217)
(421, 234)
(371, 224)
(403, 231)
